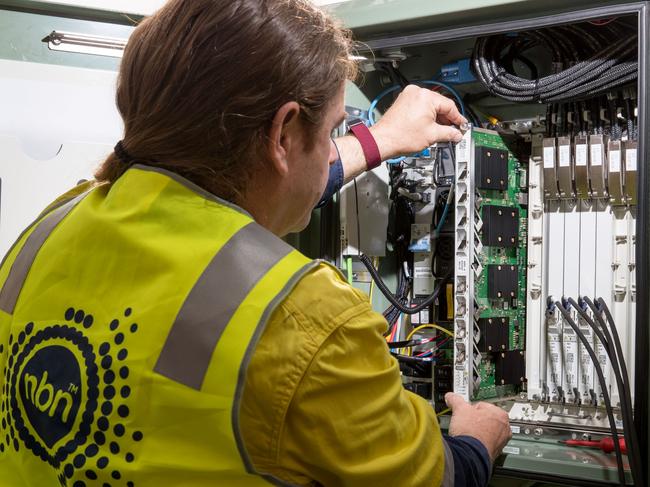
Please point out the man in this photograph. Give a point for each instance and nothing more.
(155, 330)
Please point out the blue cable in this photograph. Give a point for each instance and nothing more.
(373, 105)
(443, 217)
(395, 161)
(387, 91)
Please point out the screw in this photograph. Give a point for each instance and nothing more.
(538, 432)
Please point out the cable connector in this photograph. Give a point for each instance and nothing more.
(458, 72)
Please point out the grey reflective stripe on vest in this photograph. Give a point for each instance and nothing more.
(448, 475)
(27, 254)
(224, 284)
(250, 350)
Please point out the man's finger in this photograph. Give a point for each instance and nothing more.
(446, 133)
(442, 119)
(446, 110)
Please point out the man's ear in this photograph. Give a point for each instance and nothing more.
(283, 136)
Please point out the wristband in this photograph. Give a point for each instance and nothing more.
(368, 143)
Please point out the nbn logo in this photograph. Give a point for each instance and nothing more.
(50, 389)
(46, 398)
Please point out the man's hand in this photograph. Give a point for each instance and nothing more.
(485, 422)
(418, 118)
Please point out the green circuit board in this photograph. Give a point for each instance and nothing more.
(515, 196)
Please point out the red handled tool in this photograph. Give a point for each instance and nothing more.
(606, 444)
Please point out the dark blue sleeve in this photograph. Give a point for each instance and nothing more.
(472, 466)
(334, 182)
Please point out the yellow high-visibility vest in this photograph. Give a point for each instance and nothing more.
(128, 315)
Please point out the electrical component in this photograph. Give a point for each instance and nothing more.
(550, 175)
(510, 368)
(423, 389)
(615, 171)
(494, 333)
(597, 165)
(424, 316)
(630, 151)
(500, 226)
(491, 168)
(565, 181)
(458, 72)
(502, 281)
(490, 280)
(416, 370)
(581, 167)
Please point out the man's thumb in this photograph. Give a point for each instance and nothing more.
(454, 400)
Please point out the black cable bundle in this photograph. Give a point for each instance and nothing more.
(398, 238)
(587, 63)
(603, 387)
(612, 344)
(395, 300)
(392, 313)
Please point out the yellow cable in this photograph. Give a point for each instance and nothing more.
(431, 326)
(450, 302)
(348, 265)
(493, 120)
(444, 411)
(375, 264)
(423, 327)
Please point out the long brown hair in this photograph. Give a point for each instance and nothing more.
(201, 80)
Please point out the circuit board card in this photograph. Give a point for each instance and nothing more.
(500, 286)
